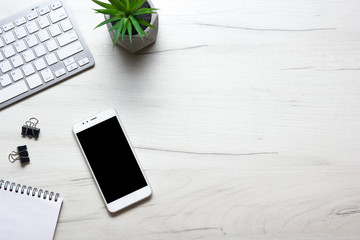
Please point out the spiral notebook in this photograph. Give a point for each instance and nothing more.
(27, 213)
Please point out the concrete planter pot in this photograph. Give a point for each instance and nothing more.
(137, 42)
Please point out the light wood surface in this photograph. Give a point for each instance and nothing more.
(245, 116)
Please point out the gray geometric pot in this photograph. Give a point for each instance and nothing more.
(137, 42)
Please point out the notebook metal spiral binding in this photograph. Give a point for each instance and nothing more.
(40, 193)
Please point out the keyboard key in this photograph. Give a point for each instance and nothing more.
(20, 21)
(32, 27)
(67, 38)
(66, 25)
(5, 66)
(28, 55)
(1, 42)
(47, 75)
(54, 30)
(83, 61)
(1, 56)
(60, 72)
(69, 50)
(57, 15)
(31, 41)
(16, 74)
(20, 32)
(69, 61)
(5, 80)
(51, 45)
(17, 61)
(28, 69)
(40, 64)
(40, 50)
(20, 46)
(71, 67)
(34, 81)
(51, 59)
(44, 10)
(56, 5)
(12, 91)
(43, 22)
(43, 35)
(9, 51)
(32, 15)
(9, 37)
(8, 26)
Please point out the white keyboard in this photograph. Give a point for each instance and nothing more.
(39, 47)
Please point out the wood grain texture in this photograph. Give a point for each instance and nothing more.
(244, 114)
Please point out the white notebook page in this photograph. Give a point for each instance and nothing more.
(24, 217)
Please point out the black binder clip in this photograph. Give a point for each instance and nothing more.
(29, 129)
(21, 154)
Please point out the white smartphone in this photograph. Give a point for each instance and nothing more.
(112, 160)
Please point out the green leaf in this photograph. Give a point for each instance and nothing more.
(152, 9)
(131, 3)
(116, 26)
(119, 5)
(118, 31)
(141, 32)
(136, 5)
(107, 21)
(144, 11)
(104, 5)
(117, 35)
(126, 3)
(144, 23)
(112, 12)
(137, 27)
(129, 29)
(122, 21)
(124, 28)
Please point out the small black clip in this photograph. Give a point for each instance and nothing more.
(29, 129)
(21, 154)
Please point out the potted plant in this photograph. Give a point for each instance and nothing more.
(134, 21)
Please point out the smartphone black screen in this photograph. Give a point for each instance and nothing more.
(111, 159)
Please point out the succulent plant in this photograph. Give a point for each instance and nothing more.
(124, 17)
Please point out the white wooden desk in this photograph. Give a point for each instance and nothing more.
(245, 116)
